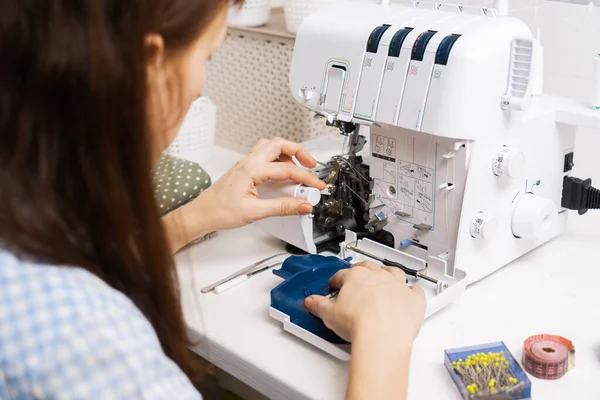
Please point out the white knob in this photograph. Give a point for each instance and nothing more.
(484, 226)
(534, 217)
(274, 190)
(312, 195)
(509, 162)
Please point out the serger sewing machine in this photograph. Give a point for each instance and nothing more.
(463, 171)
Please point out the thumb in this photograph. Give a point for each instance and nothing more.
(319, 306)
(283, 206)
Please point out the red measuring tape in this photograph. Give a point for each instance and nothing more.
(548, 356)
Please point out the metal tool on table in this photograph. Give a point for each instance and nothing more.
(389, 263)
(242, 272)
(242, 278)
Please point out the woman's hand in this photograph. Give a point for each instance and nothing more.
(232, 201)
(374, 299)
(381, 316)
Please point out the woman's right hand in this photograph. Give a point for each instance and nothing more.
(381, 316)
(372, 299)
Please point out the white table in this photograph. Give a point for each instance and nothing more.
(555, 289)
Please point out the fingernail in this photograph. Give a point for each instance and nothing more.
(308, 302)
(305, 208)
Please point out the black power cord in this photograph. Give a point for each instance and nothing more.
(580, 195)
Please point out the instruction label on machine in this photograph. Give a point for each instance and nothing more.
(417, 180)
(384, 148)
(405, 187)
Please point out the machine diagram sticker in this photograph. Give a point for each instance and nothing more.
(389, 173)
(403, 187)
(406, 190)
(424, 196)
(415, 190)
(415, 171)
(384, 148)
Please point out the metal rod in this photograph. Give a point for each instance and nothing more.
(364, 253)
(389, 263)
(427, 278)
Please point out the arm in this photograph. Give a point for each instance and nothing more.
(379, 367)
(232, 201)
(183, 226)
(381, 316)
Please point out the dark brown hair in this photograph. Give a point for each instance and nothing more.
(75, 161)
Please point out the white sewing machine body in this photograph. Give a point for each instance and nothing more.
(466, 156)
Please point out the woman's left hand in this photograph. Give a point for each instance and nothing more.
(233, 201)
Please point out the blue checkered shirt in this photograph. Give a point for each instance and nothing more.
(65, 334)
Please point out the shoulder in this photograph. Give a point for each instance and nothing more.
(66, 333)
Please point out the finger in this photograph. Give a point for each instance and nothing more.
(258, 145)
(368, 265)
(285, 158)
(281, 207)
(319, 306)
(340, 277)
(275, 148)
(397, 272)
(285, 171)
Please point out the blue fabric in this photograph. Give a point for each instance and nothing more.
(65, 334)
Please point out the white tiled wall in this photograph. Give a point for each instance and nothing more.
(570, 34)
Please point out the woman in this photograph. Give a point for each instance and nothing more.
(91, 92)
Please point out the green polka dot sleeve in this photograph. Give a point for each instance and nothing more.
(177, 182)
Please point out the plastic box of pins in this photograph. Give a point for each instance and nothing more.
(487, 371)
